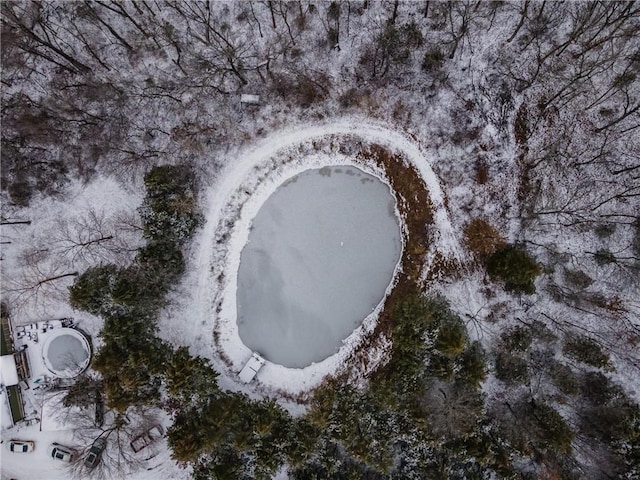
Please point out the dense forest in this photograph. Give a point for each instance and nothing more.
(519, 360)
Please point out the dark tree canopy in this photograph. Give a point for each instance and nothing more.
(515, 267)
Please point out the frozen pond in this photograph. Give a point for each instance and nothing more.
(65, 352)
(321, 253)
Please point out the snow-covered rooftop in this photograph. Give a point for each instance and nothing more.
(8, 371)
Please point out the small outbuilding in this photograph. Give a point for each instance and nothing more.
(14, 368)
(251, 368)
(247, 99)
(8, 370)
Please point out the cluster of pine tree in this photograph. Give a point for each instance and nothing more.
(417, 417)
(224, 434)
(132, 360)
(418, 411)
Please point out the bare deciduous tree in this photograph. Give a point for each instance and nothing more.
(39, 37)
(41, 278)
(118, 459)
(93, 238)
(450, 409)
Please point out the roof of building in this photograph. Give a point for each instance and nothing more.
(250, 99)
(251, 368)
(8, 370)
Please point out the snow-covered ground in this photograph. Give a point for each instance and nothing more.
(51, 245)
(154, 94)
(38, 465)
(241, 187)
(58, 241)
(206, 300)
(48, 421)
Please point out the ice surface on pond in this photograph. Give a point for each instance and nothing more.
(66, 351)
(321, 253)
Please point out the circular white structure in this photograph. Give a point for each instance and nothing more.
(66, 352)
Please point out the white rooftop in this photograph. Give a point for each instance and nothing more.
(251, 368)
(8, 371)
(250, 99)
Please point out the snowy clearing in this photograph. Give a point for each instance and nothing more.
(244, 185)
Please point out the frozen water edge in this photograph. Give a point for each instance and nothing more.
(201, 307)
(272, 375)
(320, 255)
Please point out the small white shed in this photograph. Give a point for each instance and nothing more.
(247, 99)
(8, 371)
(251, 368)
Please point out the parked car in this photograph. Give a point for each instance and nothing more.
(95, 452)
(62, 453)
(147, 438)
(21, 446)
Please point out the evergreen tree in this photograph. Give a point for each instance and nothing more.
(452, 337)
(190, 380)
(169, 210)
(515, 268)
(229, 426)
(131, 361)
(91, 290)
(554, 433)
(162, 260)
(586, 350)
(473, 364)
(164, 182)
(83, 393)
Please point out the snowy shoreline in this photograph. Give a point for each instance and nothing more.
(233, 201)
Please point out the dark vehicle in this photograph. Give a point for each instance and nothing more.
(95, 453)
(147, 438)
